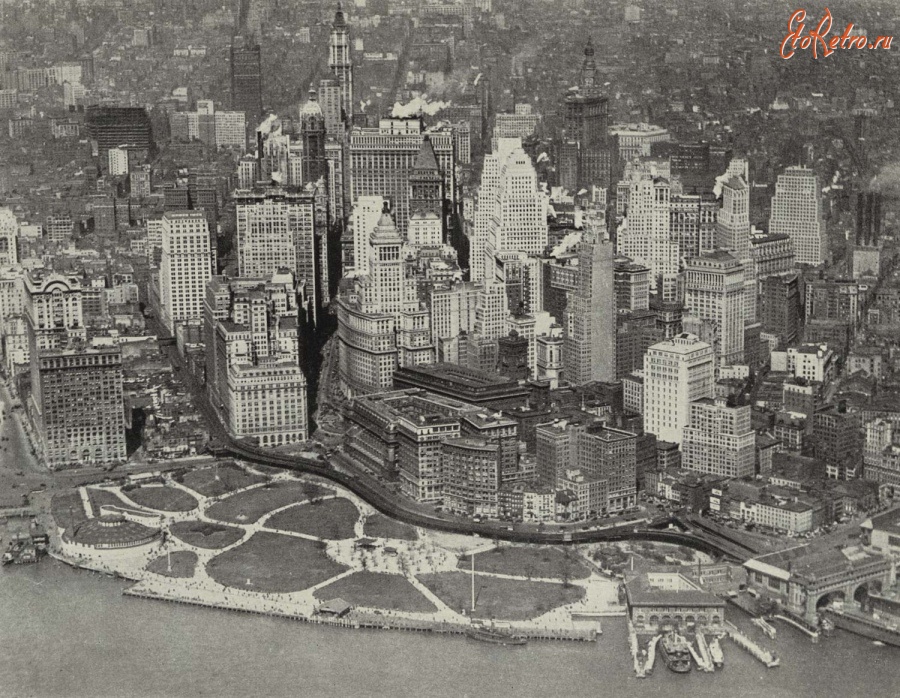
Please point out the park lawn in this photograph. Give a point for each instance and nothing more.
(274, 563)
(252, 505)
(381, 526)
(541, 562)
(231, 478)
(333, 519)
(67, 509)
(204, 534)
(502, 599)
(183, 564)
(389, 592)
(162, 498)
(100, 498)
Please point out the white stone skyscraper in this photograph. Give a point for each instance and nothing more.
(676, 373)
(186, 267)
(714, 304)
(512, 210)
(9, 230)
(365, 216)
(797, 212)
(589, 348)
(733, 230)
(719, 439)
(646, 236)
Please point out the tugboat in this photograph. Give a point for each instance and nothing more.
(676, 653)
(495, 636)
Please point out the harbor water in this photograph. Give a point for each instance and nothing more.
(71, 633)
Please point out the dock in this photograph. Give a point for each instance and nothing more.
(802, 627)
(702, 662)
(770, 659)
(703, 647)
(651, 655)
(639, 668)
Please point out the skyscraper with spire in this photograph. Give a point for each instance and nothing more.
(314, 164)
(339, 60)
(585, 153)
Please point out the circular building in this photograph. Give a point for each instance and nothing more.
(110, 532)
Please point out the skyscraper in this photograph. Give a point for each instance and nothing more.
(589, 349)
(646, 236)
(511, 215)
(365, 216)
(714, 303)
(312, 134)
(797, 212)
(340, 62)
(246, 79)
(868, 218)
(719, 439)
(185, 268)
(382, 160)
(112, 126)
(585, 127)
(9, 231)
(253, 374)
(733, 230)
(676, 373)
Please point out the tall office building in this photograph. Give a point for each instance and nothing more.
(9, 232)
(185, 268)
(312, 134)
(113, 126)
(53, 305)
(382, 160)
(714, 303)
(733, 231)
(585, 130)
(677, 372)
(797, 212)
(511, 214)
(869, 218)
(365, 216)
(646, 236)
(276, 230)
(386, 266)
(253, 375)
(719, 439)
(340, 63)
(589, 349)
(330, 100)
(77, 406)
(779, 307)
(246, 79)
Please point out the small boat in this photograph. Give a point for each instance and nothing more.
(878, 643)
(494, 636)
(676, 653)
(715, 651)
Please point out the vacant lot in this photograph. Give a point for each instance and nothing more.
(503, 599)
(211, 482)
(206, 535)
(183, 563)
(385, 591)
(333, 519)
(274, 563)
(540, 562)
(162, 498)
(250, 506)
(67, 509)
(380, 526)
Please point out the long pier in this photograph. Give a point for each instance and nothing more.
(805, 629)
(765, 656)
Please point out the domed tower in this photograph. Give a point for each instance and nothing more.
(312, 133)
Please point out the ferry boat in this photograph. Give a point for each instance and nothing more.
(494, 636)
(676, 653)
(715, 651)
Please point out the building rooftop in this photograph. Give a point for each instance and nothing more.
(668, 589)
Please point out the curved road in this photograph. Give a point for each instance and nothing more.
(375, 493)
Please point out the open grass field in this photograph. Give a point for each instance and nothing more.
(100, 498)
(384, 591)
(381, 526)
(274, 563)
(333, 519)
(67, 509)
(162, 498)
(183, 564)
(536, 562)
(502, 599)
(251, 506)
(230, 478)
(203, 534)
